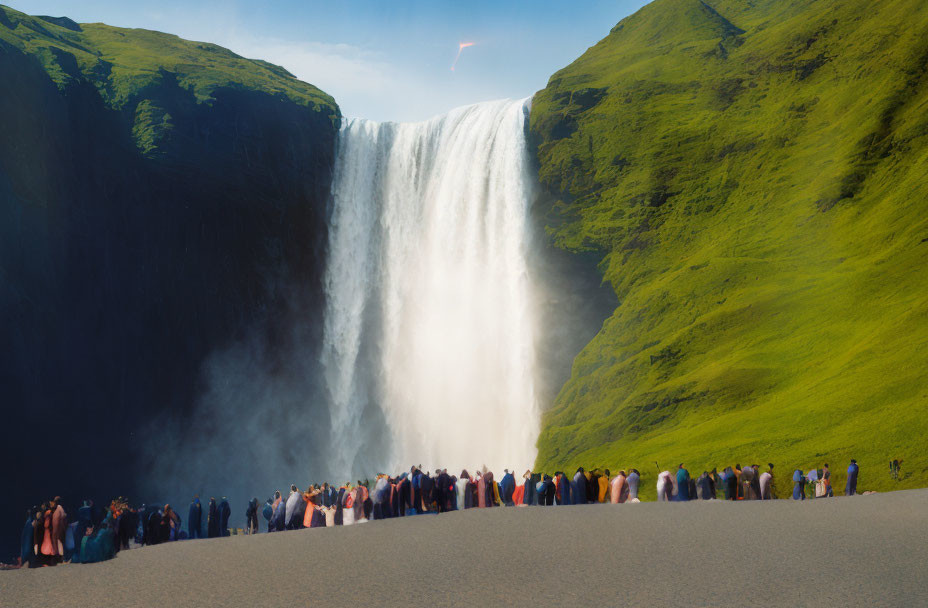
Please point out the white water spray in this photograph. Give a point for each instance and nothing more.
(429, 313)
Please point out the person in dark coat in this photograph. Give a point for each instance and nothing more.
(279, 519)
(326, 496)
(212, 519)
(153, 526)
(702, 486)
(507, 488)
(404, 496)
(339, 507)
(850, 488)
(470, 492)
(85, 515)
(549, 491)
(251, 517)
(731, 484)
(415, 487)
(528, 488)
(194, 519)
(426, 488)
(592, 487)
(578, 490)
(443, 492)
(225, 512)
(490, 495)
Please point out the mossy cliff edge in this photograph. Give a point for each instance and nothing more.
(754, 176)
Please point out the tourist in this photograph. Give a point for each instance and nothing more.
(730, 484)
(633, 480)
(26, 554)
(766, 484)
(528, 488)
(704, 487)
(212, 519)
(578, 489)
(507, 487)
(602, 481)
(251, 517)
(851, 487)
(799, 485)
(194, 518)
(683, 484)
(664, 486)
(562, 488)
(826, 480)
(290, 507)
(363, 505)
(747, 484)
(618, 489)
(268, 512)
(347, 501)
(279, 518)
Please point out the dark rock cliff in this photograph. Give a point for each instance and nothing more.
(124, 266)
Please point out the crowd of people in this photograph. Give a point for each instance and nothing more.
(98, 534)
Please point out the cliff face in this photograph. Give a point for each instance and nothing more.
(160, 200)
(753, 177)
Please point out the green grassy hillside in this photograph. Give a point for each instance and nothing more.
(127, 65)
(754, 175)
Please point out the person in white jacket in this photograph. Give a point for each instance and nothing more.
(292, 501)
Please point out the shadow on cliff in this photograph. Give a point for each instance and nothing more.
(138, 280)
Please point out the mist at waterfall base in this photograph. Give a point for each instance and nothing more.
(449, 325)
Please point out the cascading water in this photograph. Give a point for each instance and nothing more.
(429, 325)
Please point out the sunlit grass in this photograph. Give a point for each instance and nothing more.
(760, 203)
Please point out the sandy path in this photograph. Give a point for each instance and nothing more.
(858, 551)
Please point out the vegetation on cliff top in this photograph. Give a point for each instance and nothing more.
(126, 65)
(754, 175)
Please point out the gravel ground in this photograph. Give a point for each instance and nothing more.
(866, 550)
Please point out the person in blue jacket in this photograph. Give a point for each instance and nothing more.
(280, 515)
(799, 485)
(194, 519)
(683, 484)
(268, 512)
(26, 552)
(578, 487)
(507, 486)
(851, 487)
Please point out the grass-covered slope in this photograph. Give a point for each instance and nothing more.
(127, 65)
(754, 174)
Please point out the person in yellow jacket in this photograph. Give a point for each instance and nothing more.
(603, 486)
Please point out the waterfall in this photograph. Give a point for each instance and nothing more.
(429, 337)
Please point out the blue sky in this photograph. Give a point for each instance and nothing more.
(380, 59)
